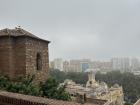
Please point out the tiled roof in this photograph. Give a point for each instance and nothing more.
(18, 32)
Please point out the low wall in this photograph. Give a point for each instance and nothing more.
(138, 102)
(8, 98)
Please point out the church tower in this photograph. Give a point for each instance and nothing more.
(91, 80)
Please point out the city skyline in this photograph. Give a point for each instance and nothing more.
(82, 65)
(92, 59)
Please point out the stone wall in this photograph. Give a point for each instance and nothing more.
(12, 56)
(34, 47)
(6, 58)
(8, 98)
(96, 101)
(18, 57)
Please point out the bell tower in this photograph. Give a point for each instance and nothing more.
(91, 80)
(91, 76)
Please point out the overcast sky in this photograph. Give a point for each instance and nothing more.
(96, 29)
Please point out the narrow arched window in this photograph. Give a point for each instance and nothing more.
(38, 61)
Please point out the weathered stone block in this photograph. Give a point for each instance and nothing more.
(18, 54)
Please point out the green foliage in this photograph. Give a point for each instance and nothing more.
(78, 77)
(52, 90)
(58, 75)
(49, 88)
(128, 81)
(25, 85)
(4, 82)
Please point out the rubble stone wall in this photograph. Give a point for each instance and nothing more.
(34, 47)
(18, 57)
(6, 56)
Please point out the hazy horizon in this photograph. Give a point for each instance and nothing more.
(100, 60)
(95, 29)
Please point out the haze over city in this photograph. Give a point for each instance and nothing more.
(96, 29)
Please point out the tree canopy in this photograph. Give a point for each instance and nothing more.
(50, 88)
(127, 80)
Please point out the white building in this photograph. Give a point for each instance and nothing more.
(122, 64)
(79, 65)
(75, 66)
(66, 66)
(135, 64)
(58, 64)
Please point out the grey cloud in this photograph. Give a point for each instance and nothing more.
(79, 28)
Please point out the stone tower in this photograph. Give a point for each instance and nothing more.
(22, 53)
(91, 76)
(91, 80)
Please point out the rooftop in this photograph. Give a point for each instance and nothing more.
(17, 32)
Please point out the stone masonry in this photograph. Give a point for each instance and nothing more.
(9, 98)
(22, 53)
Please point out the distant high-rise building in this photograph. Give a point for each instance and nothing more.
(51, 65)
(122, 64)
(101, 65)
(75, 66)
(85, 64)
(58, 64)
(105, 66)
(79, 65)
(95, 65)
(66, 66)
(135, 64)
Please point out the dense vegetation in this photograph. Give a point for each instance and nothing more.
(60, 76)
(49, 89)
(52, 90)
(129, 82)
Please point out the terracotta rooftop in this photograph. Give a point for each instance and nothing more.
(18, 32)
